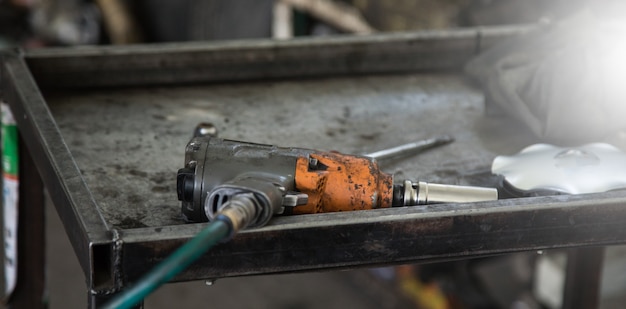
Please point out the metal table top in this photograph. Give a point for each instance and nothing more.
(128, 143)
(107, 128)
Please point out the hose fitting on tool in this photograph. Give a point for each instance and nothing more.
(239, 212)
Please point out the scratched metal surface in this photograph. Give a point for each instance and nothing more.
(129, 143)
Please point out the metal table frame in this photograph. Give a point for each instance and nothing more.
(111, 257)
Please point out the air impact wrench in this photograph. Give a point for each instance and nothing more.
(250, 183)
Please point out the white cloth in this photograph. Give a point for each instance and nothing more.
(566, 81)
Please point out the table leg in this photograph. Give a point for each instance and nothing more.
(583, 277)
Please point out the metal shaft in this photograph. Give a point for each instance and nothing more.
(422, 193)
(410, 148)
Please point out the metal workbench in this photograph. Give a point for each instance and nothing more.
(107, 128)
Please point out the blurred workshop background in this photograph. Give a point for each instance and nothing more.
(533, 279)
(36, 23)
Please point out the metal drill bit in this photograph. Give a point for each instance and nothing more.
(410, 148)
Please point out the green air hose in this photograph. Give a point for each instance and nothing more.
(175, 263)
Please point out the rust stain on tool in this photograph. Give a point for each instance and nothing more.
(339, 182)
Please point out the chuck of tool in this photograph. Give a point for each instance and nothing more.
(421, 193)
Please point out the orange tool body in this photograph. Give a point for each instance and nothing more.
(342, 183)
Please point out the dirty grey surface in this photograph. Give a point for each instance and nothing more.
(129, 143)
